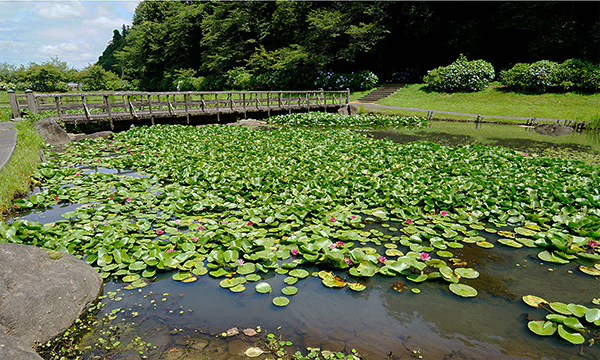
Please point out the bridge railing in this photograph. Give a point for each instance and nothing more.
(119, 105)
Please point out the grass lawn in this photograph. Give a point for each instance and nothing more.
(495, 101)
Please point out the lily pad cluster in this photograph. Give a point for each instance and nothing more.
(237, 203)
(572, 322)
(333, 119)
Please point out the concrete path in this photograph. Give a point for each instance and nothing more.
(8, 141)
(368, 105)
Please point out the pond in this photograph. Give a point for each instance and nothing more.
(392, 317)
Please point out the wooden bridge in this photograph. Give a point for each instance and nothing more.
(74, 108)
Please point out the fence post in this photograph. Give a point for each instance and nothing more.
(31, 102)
(348, 96)
(14, 104)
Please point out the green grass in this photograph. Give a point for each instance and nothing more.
(15, 176)
(495, 101)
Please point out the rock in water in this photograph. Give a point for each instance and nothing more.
(553, 129)
(41, 294)
(52, 133)
(13, 348)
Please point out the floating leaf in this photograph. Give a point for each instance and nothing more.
(417, 277)
(443, 253)
(289, 290)
(510, 242)
(238, 288)
(533, 300)
(570, 335)
(463, 290)
(560, 308)
(245, 269)
(556, 318)
(592, 315)
(253, 277)
(589, 270)
(263, 287)
(299, 273)
(189, 279)
(467, 273)
(548, 257)
(290, 280)
(415, 290)
(131, 277)
(577, 310)
(573, 323)
(542, 328)
(254, 352)
(356, 286)
(484, 244)
(281, 301)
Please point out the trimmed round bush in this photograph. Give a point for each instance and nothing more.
(461, 76)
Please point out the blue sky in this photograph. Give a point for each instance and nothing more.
(75, 31)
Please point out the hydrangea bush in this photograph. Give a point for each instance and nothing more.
(355, 81)
(461, 76)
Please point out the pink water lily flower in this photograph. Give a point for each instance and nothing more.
(110, 197)
(160, 232)
(170, 251)
(177, 221)
(56, 198)
(294, 251)
(128, 200)
(352, 217)
(443, 213)
(424, 256)
(347, 261)
(250, 223)
(15, 206)
(225, 222)
(200, 227)
(524, 154)
(592, 243)
(381, 259)
(240, 262)
(195, 238)
(408, 221)
(78, 174)
(332, 219)
(332, 246)
(340, 244)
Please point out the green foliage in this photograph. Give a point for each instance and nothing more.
(331, 119)
(94, 77)
(461, 76)
(544, 75)
(356, 81)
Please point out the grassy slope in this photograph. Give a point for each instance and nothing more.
(14, 177)
(495, 101)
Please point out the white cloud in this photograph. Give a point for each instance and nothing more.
(63, 48)
(105, 22)
(130, 5)
(60, 10)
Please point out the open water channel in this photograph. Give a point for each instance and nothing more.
(180, 320)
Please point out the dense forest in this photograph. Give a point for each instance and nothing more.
(399, 40)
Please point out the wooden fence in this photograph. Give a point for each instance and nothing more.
(106, 106)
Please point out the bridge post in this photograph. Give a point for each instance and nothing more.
(14, 104)
(31, 102)
(348, 96)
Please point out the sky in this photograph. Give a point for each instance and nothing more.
(73, 31)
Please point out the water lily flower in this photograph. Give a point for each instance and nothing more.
(128, 200)
(177, 221)
(240, 262)
(347, 261)
(169, 251)
(264, 218)
(160, 232)
(340, 243)
(443, 213)
(332, 246)
(200, 227)
(381, 259)
(110, 197)
(56, 198)
(250, 223)
(98, 160)
(15, 206)
(592, 243)
(352, 217)
(195, 238)
(524, 154)
(424, 256)
(332, 219)
(225, 222)
(78, 174)
(408, 221)
(294, 251)
(128, 149)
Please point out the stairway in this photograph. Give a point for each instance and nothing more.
(381, 92)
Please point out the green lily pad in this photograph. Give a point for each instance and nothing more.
(290, 280)
(560, 308)
(533, 301)
(592, 315)
(356, 286)
(443, 253)
(281, 301)
(467, 273)
(525, 232)
(131, 278)
(415, 290)
(510, 243)
(263, 287)
(253, 277)
(245, 269)
(573, 323)
(463, 290)
(577, 310)
(570, 335)
(299, 273)
(484, 244)
(556, 318)
(542, 328)
(289, 290)
(551, 258)
(589, 270)
(417, 277)
(238, 288)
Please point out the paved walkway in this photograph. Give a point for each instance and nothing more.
(8, 141)
(369, 105)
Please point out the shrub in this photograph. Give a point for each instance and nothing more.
(461, 75)
(536, 77)
(590, 79)
(355, 81)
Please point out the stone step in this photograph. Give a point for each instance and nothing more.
(381, 92)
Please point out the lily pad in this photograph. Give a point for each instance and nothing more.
(238, 288)
(510, 243)
(560, 308)
(533, 301)
(443, 253)
(592, 315)
(254, 352)
(589, 270)
(263, 287)
(289, 290)
(281, 301)
(356, 286)
(290, 280)
(253, 277)
(542, 328)
(467, 273)
(463, 290)
(484, 244)
(570, 335)
(299, 273)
